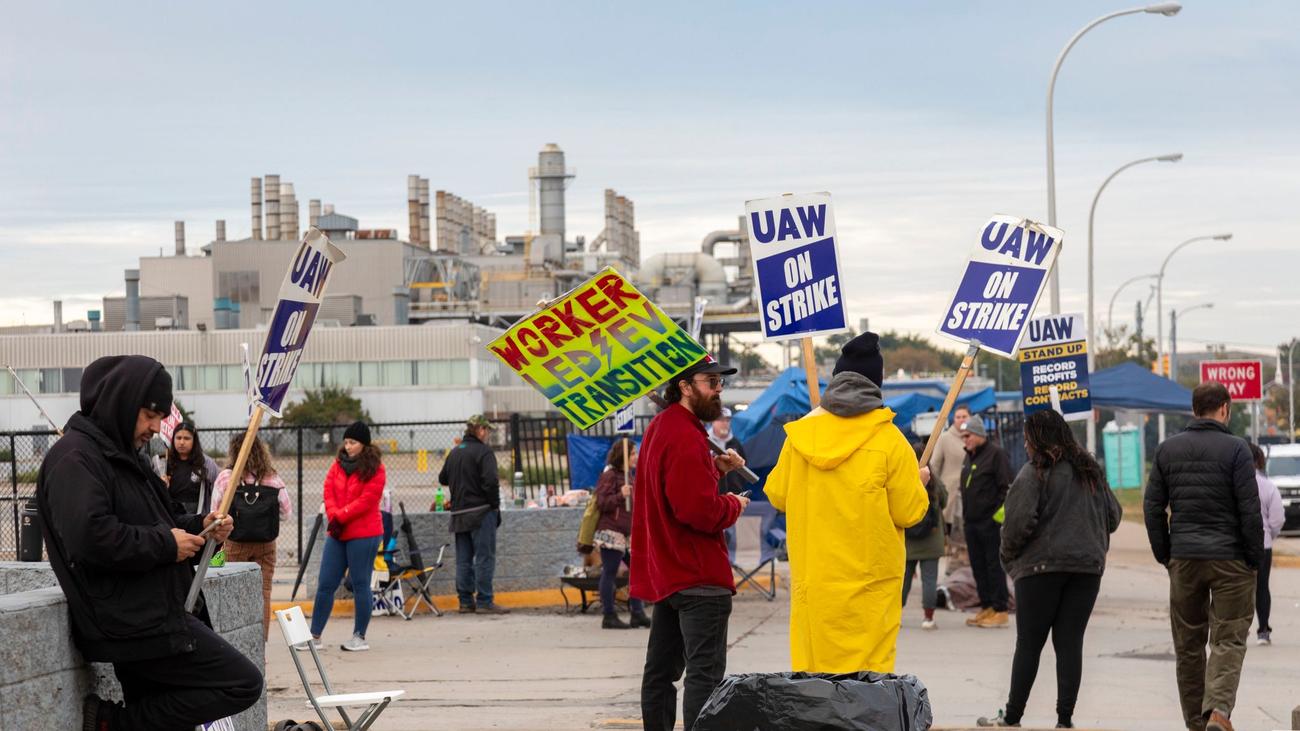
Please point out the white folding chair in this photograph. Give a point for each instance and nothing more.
(297, 635)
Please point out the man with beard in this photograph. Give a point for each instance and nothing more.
(125, 560)
(679, 555)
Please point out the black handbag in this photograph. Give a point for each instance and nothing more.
(256, 511)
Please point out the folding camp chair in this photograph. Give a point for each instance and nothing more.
(758, 518)
(297, 635)
(414, 576)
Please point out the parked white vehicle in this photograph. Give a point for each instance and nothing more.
(1284, 469)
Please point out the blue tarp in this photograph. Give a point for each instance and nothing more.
(1132, 387)
(587, 458)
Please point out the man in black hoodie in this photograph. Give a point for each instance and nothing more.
(1204, 523)
(125, 560)
(985, 479)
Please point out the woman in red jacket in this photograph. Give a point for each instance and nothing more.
(614, 500)
(353, 488)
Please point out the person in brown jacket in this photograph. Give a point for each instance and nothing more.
(614, 500)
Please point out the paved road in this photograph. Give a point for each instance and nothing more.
(537, 670)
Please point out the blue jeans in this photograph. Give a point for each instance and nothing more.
(357, 557)
(610, 560)
(476, 561)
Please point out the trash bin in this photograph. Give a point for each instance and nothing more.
(862, 701)
(29, 532)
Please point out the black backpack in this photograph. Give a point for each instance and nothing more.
(927, 524)
(256, 510)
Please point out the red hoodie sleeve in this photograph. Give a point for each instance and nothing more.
(367, 500)
(609, 493)
(691, 486)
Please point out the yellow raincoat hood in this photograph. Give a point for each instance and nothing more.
(848, 482)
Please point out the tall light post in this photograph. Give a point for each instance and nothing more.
(1160, 311)
(1174, 315)
(1290, 377)
(1092, 313)
(1110, 311)
(1165, 9)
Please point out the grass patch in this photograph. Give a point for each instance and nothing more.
(1131, 500)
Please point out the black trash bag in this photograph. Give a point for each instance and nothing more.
(862, 701)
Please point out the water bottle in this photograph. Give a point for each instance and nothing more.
(438, 501)
(517, 488)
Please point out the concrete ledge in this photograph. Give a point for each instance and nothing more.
(43, 678)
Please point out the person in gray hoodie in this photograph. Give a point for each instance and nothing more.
(1060, 513)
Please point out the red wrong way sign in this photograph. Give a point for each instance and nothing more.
(1244, 378)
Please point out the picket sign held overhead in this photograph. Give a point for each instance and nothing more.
(1053, 357)
(1244, 379)
(295, 312)
(625, 420)
(998, 290)
(167, 428)
(1003, 280)
(792, 241)
(596, 348)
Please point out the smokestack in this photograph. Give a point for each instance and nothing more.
(413, 207)
(288, 213)
(58, 316)
(256, 190)
(132, 300)
(180, 238)
(425, 238)
(273, 207)
(221, 231)
(313, 212)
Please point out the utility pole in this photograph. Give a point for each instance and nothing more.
(1138, 328)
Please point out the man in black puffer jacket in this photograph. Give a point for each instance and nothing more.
(1211, 540)
(124, 559)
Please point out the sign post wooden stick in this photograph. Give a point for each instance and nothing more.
(810, 370)
(627, 472)
(236, 476)
(967, 363)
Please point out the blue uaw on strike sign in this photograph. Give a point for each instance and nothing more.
(1002, 283)
(1054, 353)
(300, 298)
(796, 265)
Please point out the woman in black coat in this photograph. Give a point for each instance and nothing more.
(1060, 513)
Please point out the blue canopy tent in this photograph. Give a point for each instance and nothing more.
(1131, 387)
(788, 394)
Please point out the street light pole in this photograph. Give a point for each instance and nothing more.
(1290, 376)
(1165, 9)
(1173, 334)
(1160, 312)
(1110, 311)
(1092, 312)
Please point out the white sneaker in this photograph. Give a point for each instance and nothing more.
(1263, 639)
(929, 624)
(356, 644)
(315, 641)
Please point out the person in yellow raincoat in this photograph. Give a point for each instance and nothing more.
(848, 482)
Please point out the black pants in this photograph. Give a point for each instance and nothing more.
(181, 691)
(983, 541)
(1059, 603)
(686, 633)
(1263, 597)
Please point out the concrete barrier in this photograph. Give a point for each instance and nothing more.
(43, 678)
(533, 547)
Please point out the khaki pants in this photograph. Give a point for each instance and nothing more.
(262, 554)
(1210, 601)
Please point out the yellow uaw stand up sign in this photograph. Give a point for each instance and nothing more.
(1054, 367)
(596, 348)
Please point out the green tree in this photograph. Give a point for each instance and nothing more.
(328, 405)
(751, 361)
(1124, 347)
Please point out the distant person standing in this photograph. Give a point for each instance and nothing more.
(254, 538)
(946, 464)
(471, 472)
(679, 555)
(925, 546)
(1205, 525)
(1060, 514)
(189, 473)
(721, 435)
(613, 499)
(1274, 514)
(985, 478)
(353, 488)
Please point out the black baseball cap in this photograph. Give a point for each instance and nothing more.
(706, 366)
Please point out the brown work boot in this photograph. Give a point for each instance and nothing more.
(1218, 722)
(492, 609)
(994, 620)
(979, 617)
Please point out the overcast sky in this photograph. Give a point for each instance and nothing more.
(921, 118)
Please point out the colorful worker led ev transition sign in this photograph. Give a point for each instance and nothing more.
(597, 348)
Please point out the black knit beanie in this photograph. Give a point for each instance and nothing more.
(862, 355)
(158, 397)
(358, 431)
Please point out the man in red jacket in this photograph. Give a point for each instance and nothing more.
(679, 553)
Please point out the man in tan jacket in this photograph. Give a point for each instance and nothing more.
(946, 461)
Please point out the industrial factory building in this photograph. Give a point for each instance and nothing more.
(403, 323)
